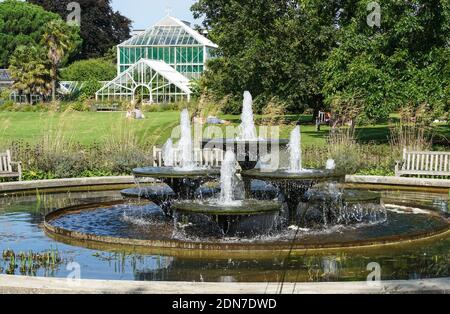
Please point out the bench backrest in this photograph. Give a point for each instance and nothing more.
(321, 116)
(5, 161)
(202, 157)
(432, 163)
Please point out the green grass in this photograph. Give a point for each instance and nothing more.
(84, 127)
(93, 127)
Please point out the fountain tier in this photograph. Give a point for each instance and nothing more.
(248, 152)
(292, 186)
(249, 218)
(184, 183)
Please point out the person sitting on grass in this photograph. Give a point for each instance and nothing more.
(138, 115)
(216, 120)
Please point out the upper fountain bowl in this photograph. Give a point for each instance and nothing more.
(248, 152)
(174, 172)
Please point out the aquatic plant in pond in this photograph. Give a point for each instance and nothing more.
(28, 263)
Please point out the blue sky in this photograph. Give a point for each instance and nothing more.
(145, 13)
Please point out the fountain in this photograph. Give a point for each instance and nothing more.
(302, 209)
(247, 127)
(185, 145)
(295, 181)
(227, 215)
(247, 146)
(184, 179)
(168, 153)
(295, 150)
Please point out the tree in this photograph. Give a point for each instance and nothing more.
(29, 69)
(101, 27)
(403, 62)
(21, 23)
(60, 40)
(269, 47)
(91, 69)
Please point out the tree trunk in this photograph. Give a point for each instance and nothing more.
(53, 90)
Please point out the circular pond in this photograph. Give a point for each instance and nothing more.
(417, 216)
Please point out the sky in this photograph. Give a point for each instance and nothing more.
(145, 13)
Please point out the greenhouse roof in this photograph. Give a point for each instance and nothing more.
(160, 67)
(170, 74)
(4, 75)
(170, 31)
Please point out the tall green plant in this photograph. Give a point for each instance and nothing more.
(60, 40)
(29, 69)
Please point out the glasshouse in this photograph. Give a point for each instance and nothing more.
(181, 54)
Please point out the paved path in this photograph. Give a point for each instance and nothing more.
(27, 285)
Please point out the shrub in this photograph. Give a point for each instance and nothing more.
(230, 105)
(88, 70)
(89, 89)
(274, 112)
(343, 148)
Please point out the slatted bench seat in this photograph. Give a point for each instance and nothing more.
(323, 118)
(107, 107)
(416, 163)
(8, 168)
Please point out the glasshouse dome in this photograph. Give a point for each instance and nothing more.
(157, 64)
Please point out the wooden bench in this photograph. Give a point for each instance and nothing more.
(6, 166)
(107, 107)
(323, 118)
(202, 157)
(416, 163)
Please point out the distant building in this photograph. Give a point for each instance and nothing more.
(157, 64)
(5, 79)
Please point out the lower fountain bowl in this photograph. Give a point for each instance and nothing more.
(248, 218)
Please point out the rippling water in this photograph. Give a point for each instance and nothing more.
(21, 230)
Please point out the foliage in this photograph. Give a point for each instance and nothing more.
(346, 109)
(4, 94)
(29, 69)
(274, 112)
(320, 54)
(403, 62)
(20, 24)
(60, 40)
(271, 48)
(343, 148)
(89, 88)
(101, 27)
(91, 69)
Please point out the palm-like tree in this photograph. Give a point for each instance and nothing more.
(29, 70)
(58, 40)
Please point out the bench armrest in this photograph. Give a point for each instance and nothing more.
(19, 168)
(398, 167)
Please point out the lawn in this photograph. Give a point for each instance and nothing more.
(95, 127)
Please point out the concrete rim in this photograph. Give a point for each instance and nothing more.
(41, 285)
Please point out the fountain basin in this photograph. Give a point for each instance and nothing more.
(69, 225)
(247, 152)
